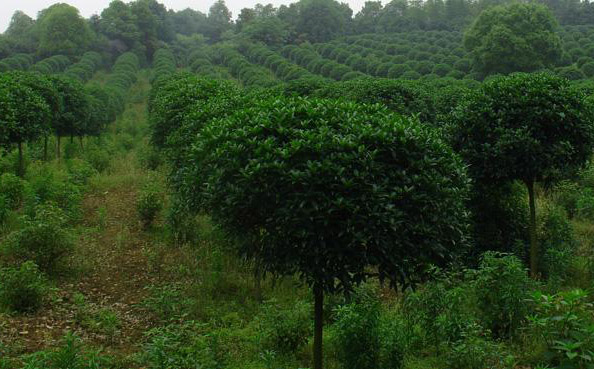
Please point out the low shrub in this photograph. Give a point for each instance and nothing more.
(476, 351)
(502, 287)
(285, 329)
(149, 204)
(357, 334)
(43, 239)
(557, 241)
(564, 323)
(12, 189)
(79, 171)
(22, 289)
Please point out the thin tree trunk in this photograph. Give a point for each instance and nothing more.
(71, 138)
(82, 148)
(45, 148)
(59, 139)
(534, 252)
(21, 162)
(319, 326)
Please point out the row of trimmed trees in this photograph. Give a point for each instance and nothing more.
(34, 106)
(247, 73)
(280, 66)
(306, 56)
(325, 188)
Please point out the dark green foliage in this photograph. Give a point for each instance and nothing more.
(357, 333)
(563, 322)
(500, 218)
(407, 98)
(86, 67)
(22, 289)
(148, 205)
(543, 128)
(44, 239)
(53, 64)
(558, 242)
(440, 309)
(25, 114)
(172, 101)
(12, 189)
(307, 150)
(502, 287)
(285, 329)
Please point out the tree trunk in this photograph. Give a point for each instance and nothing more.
(534, 252)
(45, 148)
(59, 148)
(82, 148)
(72, 138)
(21, 163)
(318, 327)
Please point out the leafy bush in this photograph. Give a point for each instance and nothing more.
(357, 334)
(564, 323)
(183, 346)
(285, 329)
(70, 354)
(98, 158)
(441, 308)
(149, 204)
(71, 150)
(502, 287)
(79, 171)
(22, 289)
(557, 241)
(585, 205)
(12, 188)
(48, 185)
(4, 209)
(43, 239)
(475, 350)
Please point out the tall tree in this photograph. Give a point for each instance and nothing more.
(524, 127)
(219, 20)
(24, 115)
(63, 31)
(366, 20)
(514, 38)
(332, 188)
(322, 20)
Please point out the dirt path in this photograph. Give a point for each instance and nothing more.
(101, 297)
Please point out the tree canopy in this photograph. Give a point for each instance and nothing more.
(514, 38)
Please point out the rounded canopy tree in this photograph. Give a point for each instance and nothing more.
(325, 189)
(525, 127)
(24, 114)
(514, 38)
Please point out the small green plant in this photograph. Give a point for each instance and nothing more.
(71, 150)
(149, 205)
(22, 289)
(79, 171)
(502, 287)
(564, 322)
(585, 205)
(12, 189)
(285, 329)
(4, 209)
(357, 333)
(475, 350)
(44, 239)
(71, 354)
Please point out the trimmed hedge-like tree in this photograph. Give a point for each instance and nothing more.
(525, 127)
(324, 189)
(24, 114)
